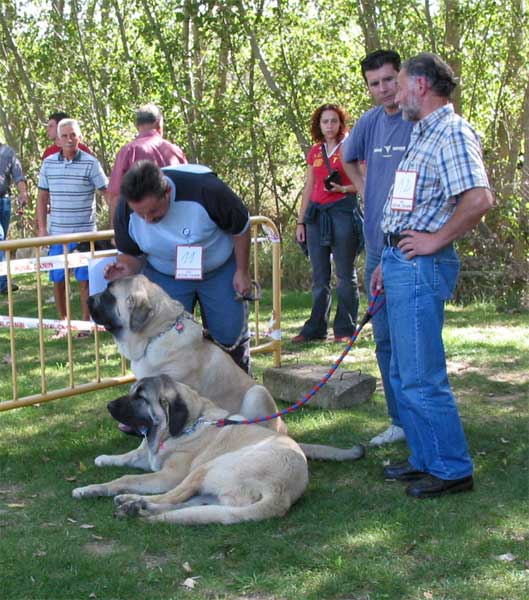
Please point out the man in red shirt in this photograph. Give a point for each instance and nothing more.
(51, 130)
(147, 145)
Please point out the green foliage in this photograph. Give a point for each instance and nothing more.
(238, 81)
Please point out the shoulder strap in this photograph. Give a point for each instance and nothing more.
(326, 158)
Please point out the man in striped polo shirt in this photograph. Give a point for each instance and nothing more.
(68, 181)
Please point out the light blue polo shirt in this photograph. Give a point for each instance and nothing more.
(72, 185)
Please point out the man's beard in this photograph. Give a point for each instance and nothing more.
(411, 111)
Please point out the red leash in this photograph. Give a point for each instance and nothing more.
(372, 309)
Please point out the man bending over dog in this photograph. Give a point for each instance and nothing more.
(187, 231)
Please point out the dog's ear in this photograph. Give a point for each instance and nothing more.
(141, 310)
(176, 407)
(178, 414)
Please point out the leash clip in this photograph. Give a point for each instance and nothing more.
(251, 296)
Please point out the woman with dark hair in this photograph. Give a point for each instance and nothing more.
(326, 223)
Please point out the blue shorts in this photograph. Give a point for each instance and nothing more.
(57, 275)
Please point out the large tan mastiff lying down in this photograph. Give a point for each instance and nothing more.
(202, 473)
(158, 336)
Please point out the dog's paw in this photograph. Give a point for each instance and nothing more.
(104, 460)
(124, 498)
(128, 509)
(89, 491)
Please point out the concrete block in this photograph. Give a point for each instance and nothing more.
(343, 390)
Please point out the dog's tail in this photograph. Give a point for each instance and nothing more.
(270, 505)
(319, 452)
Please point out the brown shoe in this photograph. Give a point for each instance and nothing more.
(299, 339)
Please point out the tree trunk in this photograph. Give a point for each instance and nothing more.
(524, 212)
(96, 106)
(11, 47)
(368, 23)
(135, 87)
(453, 45)
(191, 149)
(272, 84)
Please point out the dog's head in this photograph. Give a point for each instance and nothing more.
(156, 407)
(133, 309)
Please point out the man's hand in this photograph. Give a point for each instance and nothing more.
(124, 266)
(376, 284)
(242, 282)
(22, 203)
(116, 270)
(418, 243)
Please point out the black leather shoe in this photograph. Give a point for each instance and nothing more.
(402, 472)
(430, 486)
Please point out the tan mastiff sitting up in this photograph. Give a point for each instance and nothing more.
(202, 473)
(155, 333)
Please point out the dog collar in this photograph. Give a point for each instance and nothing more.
(178, 326)
(192, 428)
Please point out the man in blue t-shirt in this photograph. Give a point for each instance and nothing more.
(379, 139)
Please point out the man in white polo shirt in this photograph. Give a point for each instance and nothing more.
(68, 181)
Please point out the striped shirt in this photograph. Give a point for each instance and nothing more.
(72, 185)
(445, 152)
(10, 169)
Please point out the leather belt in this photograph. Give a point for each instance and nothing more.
(393, 239)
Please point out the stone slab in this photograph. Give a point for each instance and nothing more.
(343, 390)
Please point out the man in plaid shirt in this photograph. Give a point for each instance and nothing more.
(440, 192)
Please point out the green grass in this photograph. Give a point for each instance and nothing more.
(351, 536)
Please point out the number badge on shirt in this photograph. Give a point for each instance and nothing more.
(403, 197)
(189, 262)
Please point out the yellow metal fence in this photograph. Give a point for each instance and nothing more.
(31, 368)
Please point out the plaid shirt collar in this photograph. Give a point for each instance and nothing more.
(433, 119)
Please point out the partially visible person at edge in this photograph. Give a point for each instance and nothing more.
(68, 181)
(325, 223)
(149, 144)
(51, 131)
(10, 171)
(441, 192)
(380, 138)
(162, 209)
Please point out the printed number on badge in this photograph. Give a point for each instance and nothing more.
(189, 262)
(403, 197)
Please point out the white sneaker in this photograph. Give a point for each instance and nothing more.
(391, 435)
(51, 299)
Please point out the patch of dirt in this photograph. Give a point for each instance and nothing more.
(456, 367)
(253, 597)
(154, 561)
(12, 495)
(9, 491)
(101, 548)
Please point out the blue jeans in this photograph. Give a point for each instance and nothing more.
(416, 291)
(343, 253)
(222, 315)
(382, 339)
(5, 217)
